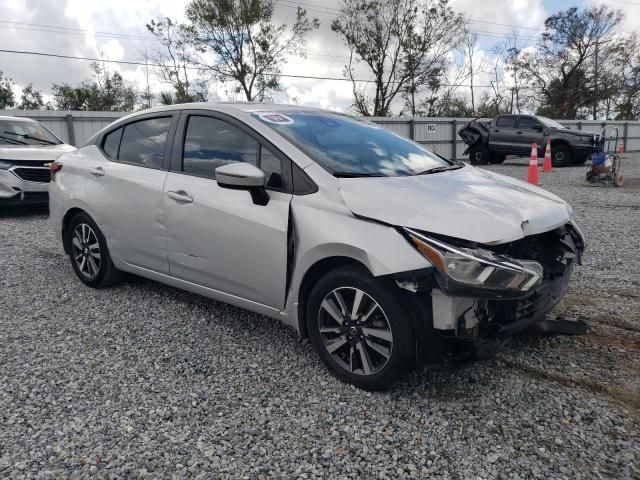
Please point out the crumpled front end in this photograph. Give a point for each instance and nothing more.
(496, 290)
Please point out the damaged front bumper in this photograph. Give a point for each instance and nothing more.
(469, 311)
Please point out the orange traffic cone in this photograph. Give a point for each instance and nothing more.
(546, 165)
(621, 147)
(533, 176)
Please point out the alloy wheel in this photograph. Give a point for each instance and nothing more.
(355, 331)
(86, 251)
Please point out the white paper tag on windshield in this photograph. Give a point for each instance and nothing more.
(276, 118)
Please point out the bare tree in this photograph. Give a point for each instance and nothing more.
(476, 64)
(174, 59)
(236, 41)
(400, 43)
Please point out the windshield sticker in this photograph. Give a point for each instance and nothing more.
(277, 118)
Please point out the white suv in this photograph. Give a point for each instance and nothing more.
(26, 147)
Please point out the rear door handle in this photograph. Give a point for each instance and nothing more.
(180, 196)
(97, 171)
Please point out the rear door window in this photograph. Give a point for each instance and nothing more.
(111, 143)
(506, 121)
(143, 142)
(528, 122)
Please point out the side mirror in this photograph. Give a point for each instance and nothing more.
(538, 127)
(244, 176)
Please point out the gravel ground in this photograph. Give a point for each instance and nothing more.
(146, 381)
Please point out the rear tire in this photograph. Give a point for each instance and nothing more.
(560, 155)
(369, 346)
(479, 155)
(89, 254)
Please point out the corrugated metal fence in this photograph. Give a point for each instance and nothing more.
(439, 134)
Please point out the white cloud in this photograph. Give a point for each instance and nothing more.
(327, 54)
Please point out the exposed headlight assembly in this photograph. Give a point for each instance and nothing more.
(477, 267)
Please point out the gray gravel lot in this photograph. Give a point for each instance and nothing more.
(146, 381)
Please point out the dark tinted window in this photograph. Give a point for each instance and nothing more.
(506, 121)
(112, 143)
(528, 122)
(210, 143)
(143, 142)
(272, 168)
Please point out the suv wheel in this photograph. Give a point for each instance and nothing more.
(359, 328)
(88, 252)
(479, 155)
(560, 155)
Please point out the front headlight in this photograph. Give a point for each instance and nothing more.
(477, 267)
(5, 165)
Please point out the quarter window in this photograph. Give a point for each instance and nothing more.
(210, 143)
(506, 121)
(143, 142)
(111, 143)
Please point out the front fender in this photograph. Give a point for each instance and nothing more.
(321, 233)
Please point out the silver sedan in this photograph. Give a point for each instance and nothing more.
(367, 243)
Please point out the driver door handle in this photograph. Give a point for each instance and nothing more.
(180, 196)
(97, 171)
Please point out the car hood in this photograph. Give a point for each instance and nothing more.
(33, 152)
(468, 203)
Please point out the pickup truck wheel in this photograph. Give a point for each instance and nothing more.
(560, 155)
(479, 155)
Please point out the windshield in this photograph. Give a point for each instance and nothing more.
(547, 122)
(16, 132)
(348, 147)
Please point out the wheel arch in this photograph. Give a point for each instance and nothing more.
(66, 220)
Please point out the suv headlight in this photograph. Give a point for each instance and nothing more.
(477, 267)
(5, 165)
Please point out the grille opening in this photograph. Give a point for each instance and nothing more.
(41, 175)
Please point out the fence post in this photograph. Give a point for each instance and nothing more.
(412, 128)
(71, 130)
(579, 125)
(454, 134)
(625, 135)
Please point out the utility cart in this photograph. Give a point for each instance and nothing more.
(604, 166)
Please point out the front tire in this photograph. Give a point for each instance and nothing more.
(560, 155)
(88, 253)
(479, 155)
(360, 328)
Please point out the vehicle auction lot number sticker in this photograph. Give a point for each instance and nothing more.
(277, 118)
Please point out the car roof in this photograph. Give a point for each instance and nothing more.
(229, 107)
